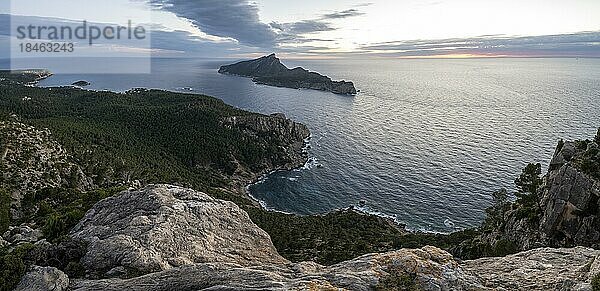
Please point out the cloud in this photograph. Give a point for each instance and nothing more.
(298, 38)
(295, 32)
(302, 27)
(239, 20)
(366, 4)
(583, 44)
(236, 19)
(343, 14)
(162, 42)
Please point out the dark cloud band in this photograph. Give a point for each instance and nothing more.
(237, 19)
(560, 45)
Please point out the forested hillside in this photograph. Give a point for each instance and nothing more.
(146, 135)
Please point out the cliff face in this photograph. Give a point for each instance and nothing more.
(286, 135)
(270, 71)
(568, 202)
(571, 213)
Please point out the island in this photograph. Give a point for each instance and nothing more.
(269, 70)
(81, 84)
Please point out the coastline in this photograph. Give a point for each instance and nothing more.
(238, 184)
(263, 177)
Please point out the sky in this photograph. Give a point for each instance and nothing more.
(346, 28)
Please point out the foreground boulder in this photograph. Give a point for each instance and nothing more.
(43, 279)
(170, 238)
(539, 269)
(161, 227)
(428, 268)
(182, 239)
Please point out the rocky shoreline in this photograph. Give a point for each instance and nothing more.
(293, 135)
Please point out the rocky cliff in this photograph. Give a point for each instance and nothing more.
(270, 71)
(170, 238)
(566, 209)
(290, 136)
(570, 196)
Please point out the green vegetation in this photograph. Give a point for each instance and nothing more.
(596, 282)
(147, 135)
(64, 256)
(495, 213)
(13, 266)
(398, 280)
(326, 239)
(343, 235)
(597, 138)
(474, 248)
(4, 210)
(528, 185)
(60, 209)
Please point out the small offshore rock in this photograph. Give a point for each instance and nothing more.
(81, 83)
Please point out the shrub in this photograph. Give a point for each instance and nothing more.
(5, 200)
(398, 281)
(75, 270)
(530, 179)
(528, 185)
(55, 227)
(60, 209)
(597, 139)
(495, 213)
(13, 266)
(561, 144)
(596, 283)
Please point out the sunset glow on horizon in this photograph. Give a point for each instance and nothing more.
(350, 28)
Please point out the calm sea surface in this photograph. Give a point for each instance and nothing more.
(425, 141)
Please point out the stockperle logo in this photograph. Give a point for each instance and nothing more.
(55, 36)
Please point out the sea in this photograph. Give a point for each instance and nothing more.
(425, 141)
